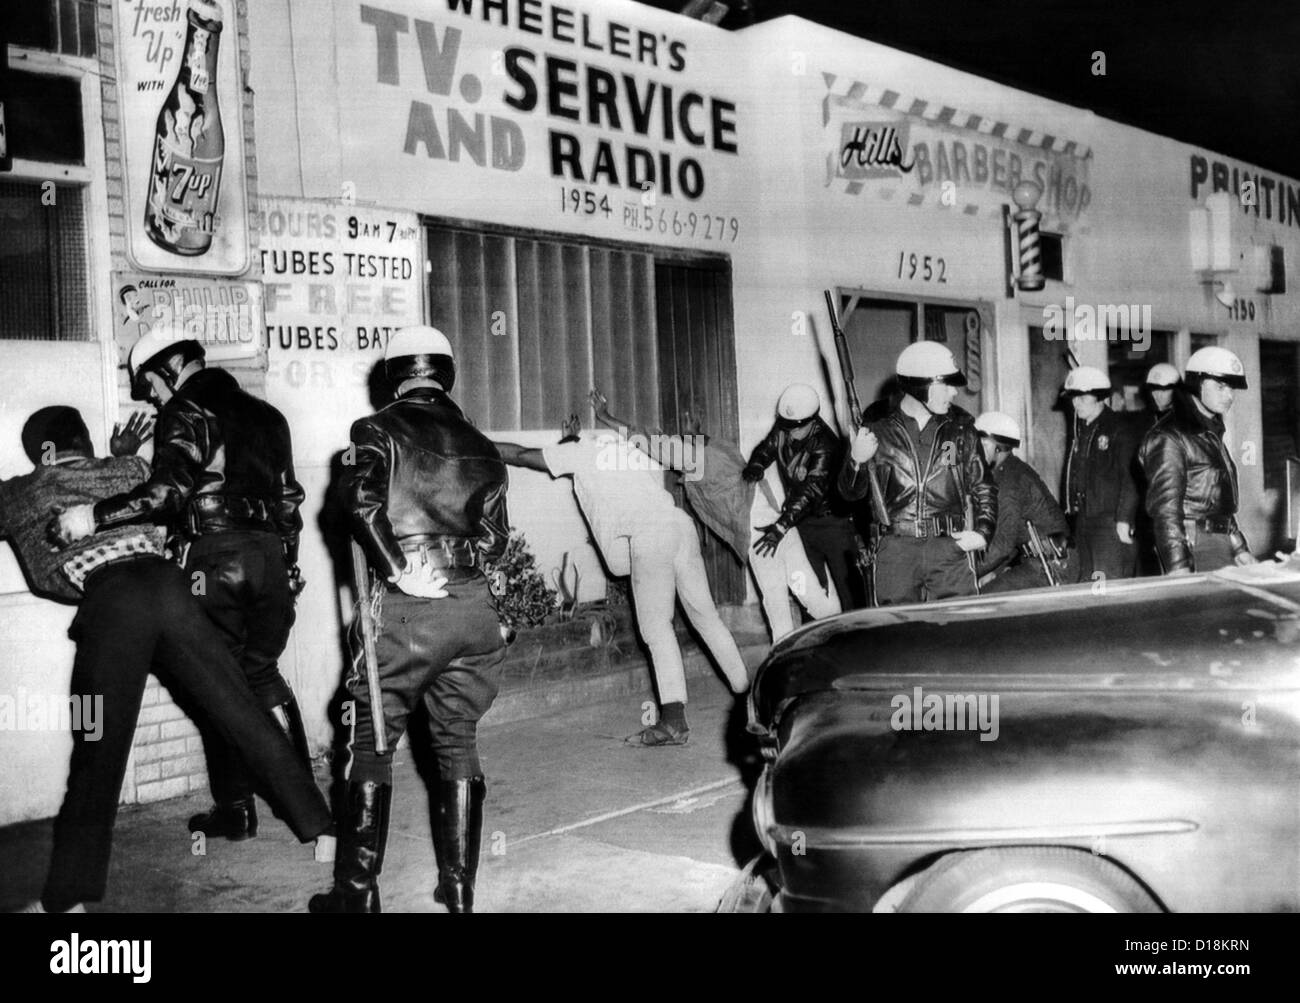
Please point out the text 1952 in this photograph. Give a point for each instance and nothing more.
(926, 268)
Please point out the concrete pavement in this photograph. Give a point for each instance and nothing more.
(576, 821)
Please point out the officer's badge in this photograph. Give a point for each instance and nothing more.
(1103, 442)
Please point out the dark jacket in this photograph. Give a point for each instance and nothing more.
(1022, 497)
(1190, 475)
(807, 468)
(223, 460)
(28, 503)
(923, 487)
(1099, 474)
(422, 470)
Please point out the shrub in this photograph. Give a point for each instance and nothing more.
(524, 599)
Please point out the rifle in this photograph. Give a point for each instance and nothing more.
(878, 510)
(361, 581)
(1036, 542)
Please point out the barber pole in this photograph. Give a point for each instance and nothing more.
(1026, 196)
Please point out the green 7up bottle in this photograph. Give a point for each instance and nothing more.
(189, 145)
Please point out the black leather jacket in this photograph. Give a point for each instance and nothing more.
(806, 466)
(924, 487)
(422, 470)
(223, 460)
(1190, 476)
(1099, 475)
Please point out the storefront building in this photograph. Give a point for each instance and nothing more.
(601, 194)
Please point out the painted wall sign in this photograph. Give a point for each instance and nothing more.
(226, 316)
(649, 120)
(937, 155)
(1267, 198)
(182, 135)
(338, 280)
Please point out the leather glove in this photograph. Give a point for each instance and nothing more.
(69, 526)
(422, 581)
(752, 472)
(766, 544)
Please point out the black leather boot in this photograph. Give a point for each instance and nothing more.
(457, 836)
(288, 719)
(363, 834)
(235, 820)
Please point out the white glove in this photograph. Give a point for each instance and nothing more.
(969, 540)
(75, 524)
(421, 581)
(864, 446)
(1124, 531)
(1244, 558)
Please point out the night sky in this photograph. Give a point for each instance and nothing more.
(1225, 76)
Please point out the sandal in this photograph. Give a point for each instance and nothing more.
(659, 734)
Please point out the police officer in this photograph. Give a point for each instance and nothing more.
(930, 468)
(807, 452)
(136, 615)
(1160, 382)
(1022, 498)
(427, 493)
(223, 475)
(1159, 386)
(1101, 489)
(1192, 482)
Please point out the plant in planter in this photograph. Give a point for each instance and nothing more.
(523, 597)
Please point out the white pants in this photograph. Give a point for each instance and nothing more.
(667, 566)
(788, 571)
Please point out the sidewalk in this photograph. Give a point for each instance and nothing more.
(575, 819)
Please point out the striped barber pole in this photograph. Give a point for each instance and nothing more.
(843, 92)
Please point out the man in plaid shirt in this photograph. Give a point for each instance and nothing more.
(135, 613)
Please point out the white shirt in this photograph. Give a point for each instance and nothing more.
(619, 488)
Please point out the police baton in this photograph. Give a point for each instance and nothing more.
(361, 581)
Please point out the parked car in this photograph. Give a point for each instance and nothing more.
(1132, 748)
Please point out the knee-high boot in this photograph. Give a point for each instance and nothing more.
(457, 835)
(363, 834)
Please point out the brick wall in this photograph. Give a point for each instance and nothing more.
(167, 756)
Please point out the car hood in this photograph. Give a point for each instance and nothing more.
(1237, 629)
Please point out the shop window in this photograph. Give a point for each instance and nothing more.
(1199, 341)
(65, 26)
(43, 119)
(1052, 253)
(43, 267)
(1129, 363)
(1279, 391)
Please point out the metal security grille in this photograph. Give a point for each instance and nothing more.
(43, 263)
(536, 323)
